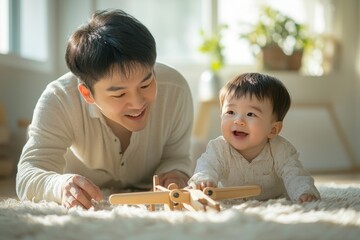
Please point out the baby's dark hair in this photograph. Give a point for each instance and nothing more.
(262, 87)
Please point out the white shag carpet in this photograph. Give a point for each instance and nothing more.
(336, 216)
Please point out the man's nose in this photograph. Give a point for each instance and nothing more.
(137, 101)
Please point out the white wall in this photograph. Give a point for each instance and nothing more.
(20, 88)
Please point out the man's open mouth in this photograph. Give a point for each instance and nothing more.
(136, 115)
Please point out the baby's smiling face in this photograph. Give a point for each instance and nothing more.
(247, 123)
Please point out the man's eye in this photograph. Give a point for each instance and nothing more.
(119, 96)
(149, 82)
(146, 86)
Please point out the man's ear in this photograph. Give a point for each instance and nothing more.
(275, 129)
(86, 93)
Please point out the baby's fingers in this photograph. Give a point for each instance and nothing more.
(206, 184)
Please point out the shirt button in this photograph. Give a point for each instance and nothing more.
(115, 140)
(122, 164)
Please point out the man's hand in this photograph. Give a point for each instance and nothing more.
(174, 176)
(78, 191)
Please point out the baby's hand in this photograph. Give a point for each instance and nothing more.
(307, 198)
(203, 184)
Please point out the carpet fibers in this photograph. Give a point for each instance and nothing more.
(336, 216)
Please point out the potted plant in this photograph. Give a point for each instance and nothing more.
(211, 46)
(281, 40)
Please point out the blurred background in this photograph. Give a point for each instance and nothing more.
(208, 41)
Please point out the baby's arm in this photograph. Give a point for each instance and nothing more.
(298, 182)
(208, 169)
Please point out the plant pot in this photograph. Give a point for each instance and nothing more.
(275, 59)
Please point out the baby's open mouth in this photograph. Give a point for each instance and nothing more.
(240, 134)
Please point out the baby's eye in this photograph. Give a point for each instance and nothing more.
(229, 112)
(250, 114)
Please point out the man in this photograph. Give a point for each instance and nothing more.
(116, 120)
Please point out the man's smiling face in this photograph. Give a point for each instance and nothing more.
(126, 100)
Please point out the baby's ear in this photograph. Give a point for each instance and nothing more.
(86, 93)
(275, 129)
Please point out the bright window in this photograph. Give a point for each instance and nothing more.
(33, 29)
(4, 26)
(23, 29)
(176, 25)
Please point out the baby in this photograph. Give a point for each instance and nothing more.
(250, 150)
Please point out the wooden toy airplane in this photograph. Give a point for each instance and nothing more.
(178, 199)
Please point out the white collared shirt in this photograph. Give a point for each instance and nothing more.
(276, 169)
